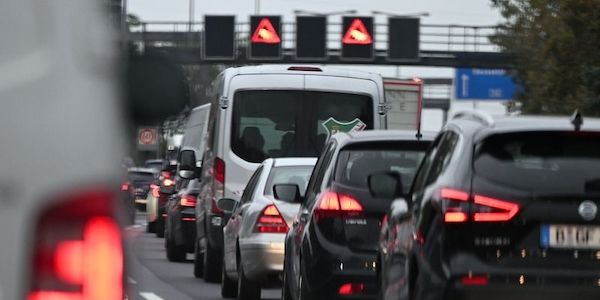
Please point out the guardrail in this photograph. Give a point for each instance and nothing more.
(450, 38)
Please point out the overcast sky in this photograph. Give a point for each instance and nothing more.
(462, 12)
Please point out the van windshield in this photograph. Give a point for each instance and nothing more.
(271, 124)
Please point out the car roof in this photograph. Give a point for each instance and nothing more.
(382, 136)
(141, 170)
(284, 69)
(294, 161)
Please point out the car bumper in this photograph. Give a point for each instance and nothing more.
(262, 259)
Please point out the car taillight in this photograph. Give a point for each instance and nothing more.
(168, 182)
(271, 221)
(455, 206)
(78, 250)
(125, 186)
(332, 204)
(348, 289)
(188, 200)
(155, 190)
(220, 170)
(165, 174)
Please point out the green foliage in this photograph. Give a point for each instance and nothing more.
(556, 47)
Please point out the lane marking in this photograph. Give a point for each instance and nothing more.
(150, 296)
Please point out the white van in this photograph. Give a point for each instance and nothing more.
(273, 111)
(194, 136)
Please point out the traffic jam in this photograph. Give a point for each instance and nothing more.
(259, 173)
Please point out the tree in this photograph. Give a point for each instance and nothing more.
(556, 50)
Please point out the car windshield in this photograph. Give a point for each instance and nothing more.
(357, 162)
(294, 174)
(541, 161)
(271, 124)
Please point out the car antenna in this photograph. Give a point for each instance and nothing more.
(577, 120)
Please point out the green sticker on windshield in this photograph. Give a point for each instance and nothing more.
(334, 126)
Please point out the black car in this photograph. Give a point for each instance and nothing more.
(139, 180)
(180, 223)
(500, 209)
(331, 250)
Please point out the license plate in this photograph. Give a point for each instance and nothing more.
(570, 237)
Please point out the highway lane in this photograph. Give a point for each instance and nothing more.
(153, 277)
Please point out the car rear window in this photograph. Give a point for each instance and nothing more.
(141, 177)
(568, 161)
(357, 162)
(271, 124)
(292, 174)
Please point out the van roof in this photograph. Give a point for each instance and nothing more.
(285, 69)
(293, 161)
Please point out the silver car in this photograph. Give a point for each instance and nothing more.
(255, 233)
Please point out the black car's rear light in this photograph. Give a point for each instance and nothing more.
(271, 221)
(125, 186)
(349, 289)
(168, 182)
(474, 280)
(188, 201)
(155, 190)
(456, 203)
(78, 250)
(333, 205)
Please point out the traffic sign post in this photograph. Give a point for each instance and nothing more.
(311, 38)
(483, 85)
(265, 40)
(147, 139)
(358, 39)
(403, 39)
(219, 38)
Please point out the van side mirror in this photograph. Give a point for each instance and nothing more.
(226, 204)
(288, 192)
(385, 185)
(187, 164)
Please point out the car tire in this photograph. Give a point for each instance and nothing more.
(198, 261)
(160, 227)
(212, 264)
(228, 286)
(305, 294)
(151, 227)
(174, 253)
(285, 290)
(246, 289)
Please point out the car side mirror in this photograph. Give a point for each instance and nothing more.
(385, 185)
(288, 192)
(226, 204)
(187, 164)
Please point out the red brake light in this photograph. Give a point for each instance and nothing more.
(188, 200)
(502, 210)
(220, 170)
(474, 280)
(306, 69)
(455, 217)
(348, 289)
(168, 182)
(125, 186)
(155, 189)
(271, 221)
(455, 205)
(332, 204)
(165, 174)
(78, 251)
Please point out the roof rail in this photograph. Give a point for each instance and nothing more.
(475, 115)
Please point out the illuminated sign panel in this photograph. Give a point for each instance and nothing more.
(265, 41)
(358, 38)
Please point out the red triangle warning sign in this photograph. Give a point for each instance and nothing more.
(265, 33)
(357, 34)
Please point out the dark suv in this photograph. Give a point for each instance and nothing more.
(331, 249)
(500, 209)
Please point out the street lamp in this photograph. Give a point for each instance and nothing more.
(414, 15)
(320, 14)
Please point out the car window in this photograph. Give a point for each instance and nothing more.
(419, 181)
(443, 156)
(541, 161)
(249, 190)
(357, 162)
(315, 183)
(293, 174)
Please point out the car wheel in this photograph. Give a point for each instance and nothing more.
(212, 264)
(304, 292)
(151, 227)
(198, 261)
(228, 286)
(246, 289)
(285, 291)
(160, 227)
(174, 253)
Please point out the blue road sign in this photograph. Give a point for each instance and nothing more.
(483, 84)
